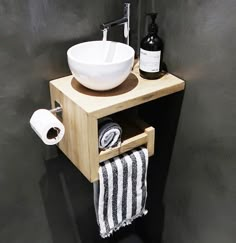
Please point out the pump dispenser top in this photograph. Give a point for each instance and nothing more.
(152, 28)
(151, 50)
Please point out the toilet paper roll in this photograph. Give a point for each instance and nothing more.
(47, 126)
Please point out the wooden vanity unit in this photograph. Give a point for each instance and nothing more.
(82, 108)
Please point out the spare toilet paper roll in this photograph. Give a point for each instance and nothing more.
(47, 126)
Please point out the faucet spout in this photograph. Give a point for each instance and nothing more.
(125, 20)
(110, 24)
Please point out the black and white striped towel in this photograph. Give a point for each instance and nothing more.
(109, 133)
(122, 190)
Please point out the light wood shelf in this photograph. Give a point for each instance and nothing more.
(83, 107)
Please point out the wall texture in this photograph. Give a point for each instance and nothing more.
(48, 200)
(200, 196)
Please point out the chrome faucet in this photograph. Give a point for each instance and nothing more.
(125, 20)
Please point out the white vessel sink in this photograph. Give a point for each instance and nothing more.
(100, 65)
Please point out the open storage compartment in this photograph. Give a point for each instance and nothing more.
(135, 133)
(82, 108)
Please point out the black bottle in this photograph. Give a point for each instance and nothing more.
(151, 52)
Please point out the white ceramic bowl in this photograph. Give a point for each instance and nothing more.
(100, 65)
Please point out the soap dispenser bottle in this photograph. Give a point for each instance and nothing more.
(151, 51)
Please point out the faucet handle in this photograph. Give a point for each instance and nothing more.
(127, 10)
(127, 24)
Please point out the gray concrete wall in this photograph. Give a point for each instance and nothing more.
(200, 195)
(41, 200)
(48, 201)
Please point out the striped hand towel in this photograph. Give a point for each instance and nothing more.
(109, 133)
(122, 190)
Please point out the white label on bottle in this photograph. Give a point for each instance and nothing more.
(150, 61)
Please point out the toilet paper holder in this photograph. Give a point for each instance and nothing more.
(57, 110)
